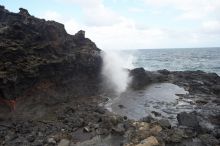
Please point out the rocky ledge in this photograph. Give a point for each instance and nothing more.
(192, 81)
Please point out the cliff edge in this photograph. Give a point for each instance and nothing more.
(35, 53)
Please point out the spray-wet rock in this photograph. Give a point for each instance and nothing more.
(188, 119)
(142, 78)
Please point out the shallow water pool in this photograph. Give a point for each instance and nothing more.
(158, 100)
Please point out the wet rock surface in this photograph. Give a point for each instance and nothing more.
(188, 119)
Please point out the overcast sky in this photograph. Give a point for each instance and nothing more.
(133, 24)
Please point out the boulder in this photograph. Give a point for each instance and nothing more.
(164, 123)
(188, 119)
(140, 78)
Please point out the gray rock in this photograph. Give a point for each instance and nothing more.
(147, 119)
(31, 138)
(100, 110)
(139, 78)
(216, 89)
(216, 133)
(209, 140)
(164, 123)
(164, 72)
(188, 119)
(119, 128)
(64, 142)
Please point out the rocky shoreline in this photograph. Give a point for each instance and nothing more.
(80, 123)
(54, 80)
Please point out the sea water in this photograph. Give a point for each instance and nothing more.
(205, 59)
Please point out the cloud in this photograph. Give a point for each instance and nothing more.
(211, 26)
(136, 10)
(191, 9)
(85, 3)
(101, 16)
(110, 30)
(122, 35)
(210, 32)
(96, 13)
(52, 15)
(71, 25)
(127, 34)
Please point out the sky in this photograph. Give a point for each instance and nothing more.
(133, 24)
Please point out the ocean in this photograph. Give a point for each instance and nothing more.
(205, 59)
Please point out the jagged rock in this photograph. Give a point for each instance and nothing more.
(33, 50)
(24, 12)
(188, 119)
(139, 78)
(197, 81)
(80, 35)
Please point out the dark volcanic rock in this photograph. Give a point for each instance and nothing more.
(164, 123)
(216, 89)
(32, 50)
(188, 119)
(142, 78)
(197, 81)
(139, 78)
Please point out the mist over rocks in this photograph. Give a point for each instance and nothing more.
(115, 72)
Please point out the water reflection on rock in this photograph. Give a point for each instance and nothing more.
(157, 100)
